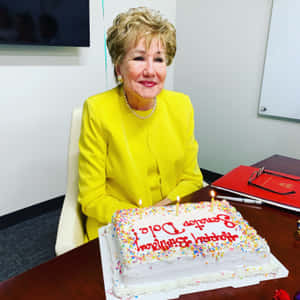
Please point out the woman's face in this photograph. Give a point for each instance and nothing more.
(144, 70)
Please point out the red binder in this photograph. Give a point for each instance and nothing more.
(236, 181)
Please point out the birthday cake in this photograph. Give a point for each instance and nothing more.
(158, 248)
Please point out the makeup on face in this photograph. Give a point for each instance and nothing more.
(144, 72)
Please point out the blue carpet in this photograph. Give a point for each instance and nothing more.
(27, 244)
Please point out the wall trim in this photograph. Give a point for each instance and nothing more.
(31, 212)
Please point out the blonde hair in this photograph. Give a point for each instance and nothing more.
(129, 27)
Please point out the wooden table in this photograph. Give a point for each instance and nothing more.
(78, 273)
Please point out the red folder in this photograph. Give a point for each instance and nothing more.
(236, 181)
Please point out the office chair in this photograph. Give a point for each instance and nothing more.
(70, 233)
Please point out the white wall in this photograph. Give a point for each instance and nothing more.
(221, 49)
(39, 88)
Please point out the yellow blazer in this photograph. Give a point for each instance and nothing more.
(115, 149)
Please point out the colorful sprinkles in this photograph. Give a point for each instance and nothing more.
(124, 224)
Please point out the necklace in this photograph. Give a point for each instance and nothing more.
(137, 115)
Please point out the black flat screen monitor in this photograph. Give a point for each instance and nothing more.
(45, 22)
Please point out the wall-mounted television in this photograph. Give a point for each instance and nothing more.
(45, 22)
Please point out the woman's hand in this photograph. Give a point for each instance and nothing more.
(163, 202)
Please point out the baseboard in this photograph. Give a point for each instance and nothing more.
(31, 212)
(210, 176)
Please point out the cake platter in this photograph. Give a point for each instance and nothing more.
(107, 269)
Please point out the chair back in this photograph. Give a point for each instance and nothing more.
(70, 233)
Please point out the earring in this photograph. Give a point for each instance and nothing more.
(120, 79)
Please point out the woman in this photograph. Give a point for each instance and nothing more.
(137, 140)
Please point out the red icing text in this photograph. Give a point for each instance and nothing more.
(181, 242)
(200, 223)
(215, 237)
(168, 228)
(171, 229)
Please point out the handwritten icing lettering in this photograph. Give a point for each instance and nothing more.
(200, 223)
(182, 237)
(189, 223)
(214, 237)
(170, 228)
(226, 220)
(194, 222)
(154, 228)
(181, 242)
(184, 242)
(157, 227)
(152, 231)
(144, 230)
(171, 243)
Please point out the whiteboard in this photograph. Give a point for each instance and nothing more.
(280, 91)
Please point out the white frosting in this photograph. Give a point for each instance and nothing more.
(218, 245)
